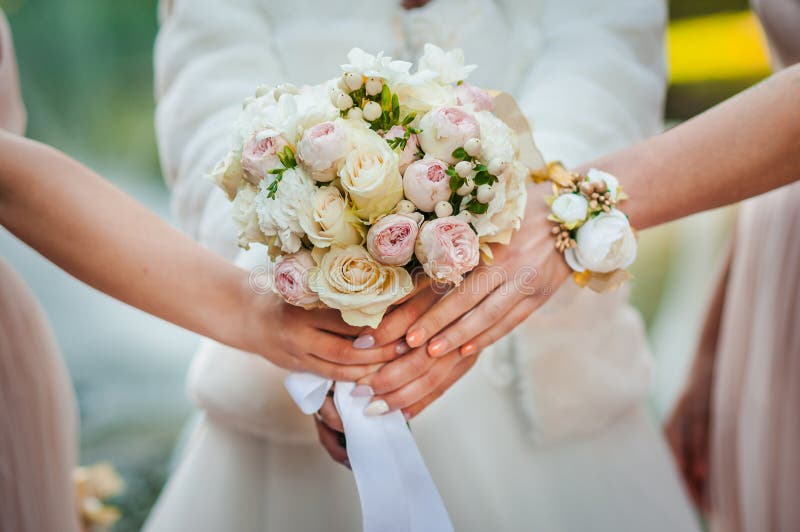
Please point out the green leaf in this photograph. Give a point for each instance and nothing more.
(408, 119)
(476, 207)
(456, 182)
(481, 168)
(483, 178)
(386, 98)
(460, 153)
(451, 172)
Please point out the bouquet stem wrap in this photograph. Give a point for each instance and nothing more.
(396, 490)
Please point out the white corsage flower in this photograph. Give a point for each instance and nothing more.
(351, 281)
(375, 66)
(444, 67)
(604, 243)
(598, 176)
(570, 209)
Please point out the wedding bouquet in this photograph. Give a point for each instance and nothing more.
(355, 181)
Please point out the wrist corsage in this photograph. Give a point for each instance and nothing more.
(594, 236)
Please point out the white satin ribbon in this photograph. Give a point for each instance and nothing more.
(396, 490)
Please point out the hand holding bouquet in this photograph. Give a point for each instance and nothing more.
(353, 182)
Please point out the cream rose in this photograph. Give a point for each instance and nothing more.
(570, 209)
(260, 154)
(447, 248)
(291, 279)
(445, 129)
(425, 183)
(410, 153)
(321, 149)
(329, 220)
(246, 217)
(371, 175)
(227, 174)
(598, 176)
(391, 240)
(279, 217)
(350, 280)
(605, 243)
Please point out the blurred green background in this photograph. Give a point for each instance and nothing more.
(87, 79)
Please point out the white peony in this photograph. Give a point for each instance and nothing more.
(322, 147)
(605, 243)
(375, 66)
(329, 220)
(246, 217)
(444, 67)
(498, 141)
(371, 175)
(444, 129)
(280, 217)
(598, 176)
(350, 280)
(507, 209)
(570, 209)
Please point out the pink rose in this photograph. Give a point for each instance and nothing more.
(445, 129)
(322, 148)
(426, 183)
(411, 152)
(260, 154)
(479, 99)
(447, 248)
(291, 279)
(391, 240)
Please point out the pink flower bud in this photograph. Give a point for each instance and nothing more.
(291, 279)
(447, 248)
(391, 240)
(260, 154)
(425, 183)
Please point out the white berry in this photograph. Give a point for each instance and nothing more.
(372, 111)
(353, 81)
(485, 194)
(341, 100)
(374, 86)
(473, 147)
(442, 209)
(463, 168)
(466, 189)
(497, 166)
(405, 207)
(466, 216)
(355, 113)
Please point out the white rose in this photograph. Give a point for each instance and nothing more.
(350, 280)
(598, 176)
(246, 217)
(371, 175)
(570, 209)
(227, 174)
(498, 141)
(605, 243)
(280, 217)
(330, 221)
(444, 67)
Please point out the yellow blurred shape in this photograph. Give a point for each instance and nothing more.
(717, 47)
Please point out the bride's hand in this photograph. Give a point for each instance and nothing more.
(315, 341)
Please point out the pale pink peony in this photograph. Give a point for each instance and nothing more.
(260, 154)
(426, 183)
(411, 152)
(445, 129)
(447, 248)
(291, 279)
(322, 148)
(391, 240)
(479, 99)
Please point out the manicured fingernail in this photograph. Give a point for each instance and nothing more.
(407, 416)
(376, 408)
(346, 463)
(364, 342)
(468, 349)
(362, 390)
(437, 347)
(415, 337)
(402, 348)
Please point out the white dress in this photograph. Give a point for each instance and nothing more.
(548, 431)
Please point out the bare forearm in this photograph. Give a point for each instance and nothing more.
(743, 147)
(103, 237)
